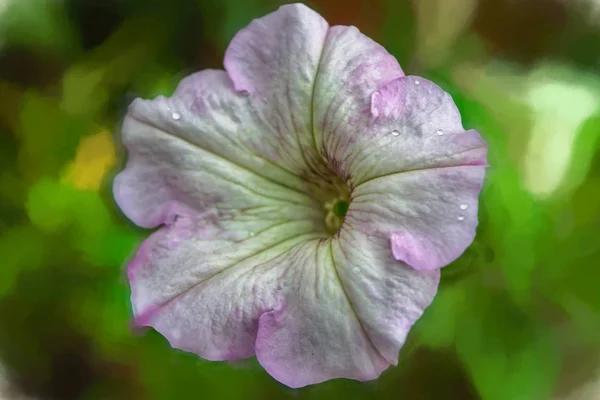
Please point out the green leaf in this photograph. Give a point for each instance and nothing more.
(49, 205)
(49, 137)
(239, 14)
(40, 24)
(517, 224)
(437, 327)
(508, 354)
(399, 30)
(21, 247)
(90, 84)
(171, 374)
(514, 224)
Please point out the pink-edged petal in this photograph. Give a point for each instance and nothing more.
(411, 124)
(387, 297)
(285, 303)
(352, 68)
(275, 60)
(234, 166)
(200, 150)
(314, 335)
(196, 246)
(428, 216)
(203, 289)
(212, 113)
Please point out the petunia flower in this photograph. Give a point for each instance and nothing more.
(307, 197)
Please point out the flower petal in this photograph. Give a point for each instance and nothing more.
(314, 334)
(352, 67)
(275, 59)
(285, 303)
(229, 165)
(387, 297)
(200, 149)
(411, 124)
(204, 289)
(428, 216)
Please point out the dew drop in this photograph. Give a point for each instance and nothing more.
(356, 270)
(439, 132)
(395, 133)
(417, 82)
(176, 116)
(461, 218)
(464, 206)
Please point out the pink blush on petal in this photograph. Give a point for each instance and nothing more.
(240, 170)
(411, 250)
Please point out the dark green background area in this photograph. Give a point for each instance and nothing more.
(517, 317)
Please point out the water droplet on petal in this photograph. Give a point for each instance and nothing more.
(461, 218)
(176, 116)
(464, 206)
(356, 270)
(439, 132)
(417, 82)
(395, 133)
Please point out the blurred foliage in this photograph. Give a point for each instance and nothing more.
(517, 316)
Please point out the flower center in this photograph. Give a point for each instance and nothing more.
(327, 188)
(340, 208)
(336, 211)
(336, 208)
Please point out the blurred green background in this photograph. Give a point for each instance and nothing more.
(517, 316)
